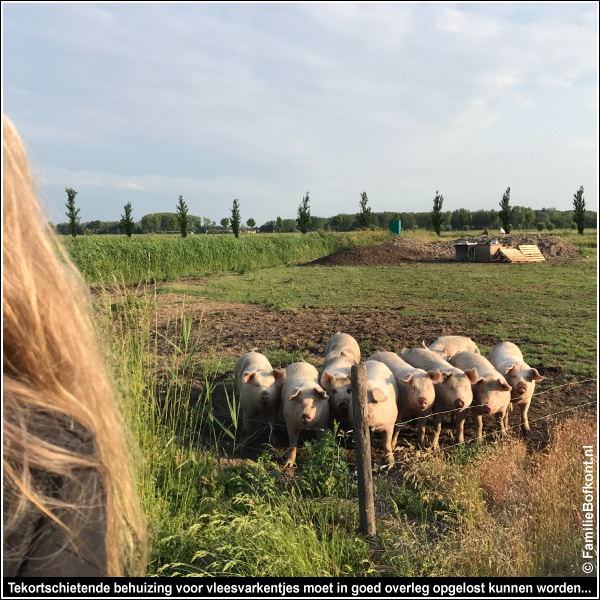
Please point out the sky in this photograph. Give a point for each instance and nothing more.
(143, 103)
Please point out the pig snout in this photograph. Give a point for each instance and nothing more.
(307, 417)
(459, 403)
(484, 410)
(264, 397)
(521, 389)
(422, 402)
(343, 406)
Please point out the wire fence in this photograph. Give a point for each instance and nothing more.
(244, 444)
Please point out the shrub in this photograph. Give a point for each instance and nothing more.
(541, 226)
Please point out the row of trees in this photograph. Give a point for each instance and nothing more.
(523, 217)
(508, 217)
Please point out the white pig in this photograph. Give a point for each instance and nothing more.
(453, 391)
(491, 392)
(416, 393)
(258, 387)
(341, 344)
(449, 345)
(305, 404)
(382, 407)
(507, 358)
(336, 380)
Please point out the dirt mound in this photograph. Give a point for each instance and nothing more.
(401, 250)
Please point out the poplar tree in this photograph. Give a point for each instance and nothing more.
(436, 213)
(364, 217)
(72, 212)
(182, 218)
(303, 219)
(506, 211)
(579, 210)
(235, 218)
(127, 222)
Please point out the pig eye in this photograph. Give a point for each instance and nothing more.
(333, 392)
(349, 390)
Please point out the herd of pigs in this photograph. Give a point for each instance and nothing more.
(449, 377)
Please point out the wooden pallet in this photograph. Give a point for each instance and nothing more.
(518, 255)
(532, 252)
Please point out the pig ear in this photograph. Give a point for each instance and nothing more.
(249, 376)
(408, 379)
(509, 369)
(435, 376)
(279, 375)
(446, 375)
(378, 395)
(472, 376)
(294, 395)
(321, 392)
(534, 375)
(327, 379)
(504, 386)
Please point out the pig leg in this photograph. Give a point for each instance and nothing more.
(460, 426)
(478, 422)
(293, 433)
(501, 419)
(421, 423)
(397, 430)
(386, 439)
(437, 428)
(524, 420)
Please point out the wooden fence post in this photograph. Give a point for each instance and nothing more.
(366, 505)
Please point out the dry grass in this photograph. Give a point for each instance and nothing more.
(500, 513)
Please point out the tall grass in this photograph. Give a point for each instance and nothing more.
(207, 514)
(148, 259)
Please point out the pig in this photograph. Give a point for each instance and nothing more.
(453, 391)
(341, 344)
(258, 387)
(507, 358)
(491, 392)
(336, 380)
(449, 345)
(305, 404)
(416, 393)
(382, 407)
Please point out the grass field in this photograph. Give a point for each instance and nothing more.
(501, 508)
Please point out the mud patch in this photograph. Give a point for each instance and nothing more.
(403, 250)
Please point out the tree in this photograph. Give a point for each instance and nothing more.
(225, 223)
(506, 211)
(279, 225)
(303, 219)
(235, 218)
(251, 223)
(127, 222)
(436, 213)
(528, 217)
(579, 210)
(72, 212)
(182, 218)
(364, 217)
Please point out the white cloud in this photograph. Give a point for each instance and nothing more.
(131, 186)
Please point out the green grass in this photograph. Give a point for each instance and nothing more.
(147, 259)
(482, 510)
(549, 309)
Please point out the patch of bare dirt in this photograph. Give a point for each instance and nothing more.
(402, 250)
(230, 329)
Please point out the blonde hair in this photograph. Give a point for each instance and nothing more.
(54, 374)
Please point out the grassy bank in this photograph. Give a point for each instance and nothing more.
(106, 259)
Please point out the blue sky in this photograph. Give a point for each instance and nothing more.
(264, 102)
